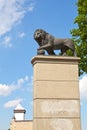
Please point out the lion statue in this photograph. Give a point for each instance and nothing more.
(50, 43)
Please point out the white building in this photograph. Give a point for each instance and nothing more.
(19, 122)
(19, 113)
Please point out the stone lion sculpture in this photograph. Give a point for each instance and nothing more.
(50, 43)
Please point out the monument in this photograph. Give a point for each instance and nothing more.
(56, 88)
(50, 43)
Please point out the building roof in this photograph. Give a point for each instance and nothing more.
(19, 107)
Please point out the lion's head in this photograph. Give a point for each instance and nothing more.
(40, 36)
(39, 33)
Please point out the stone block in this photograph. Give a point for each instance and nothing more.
(56, 89)
(57, 124)
(54, 72)
(56, 108)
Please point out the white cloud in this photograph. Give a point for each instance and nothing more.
(5, 89)
(11, 13)
(22, 34)
(31, 7)
(7, 39)
(12, 103)
(22, 80)
(83, 87)
(6, 42)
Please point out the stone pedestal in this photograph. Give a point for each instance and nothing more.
(56, 93)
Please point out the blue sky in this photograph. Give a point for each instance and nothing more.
(18, 21)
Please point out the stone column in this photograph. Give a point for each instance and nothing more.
(56, 93)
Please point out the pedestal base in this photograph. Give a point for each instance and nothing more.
(56, 93)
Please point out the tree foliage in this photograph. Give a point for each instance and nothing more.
(80, 35)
